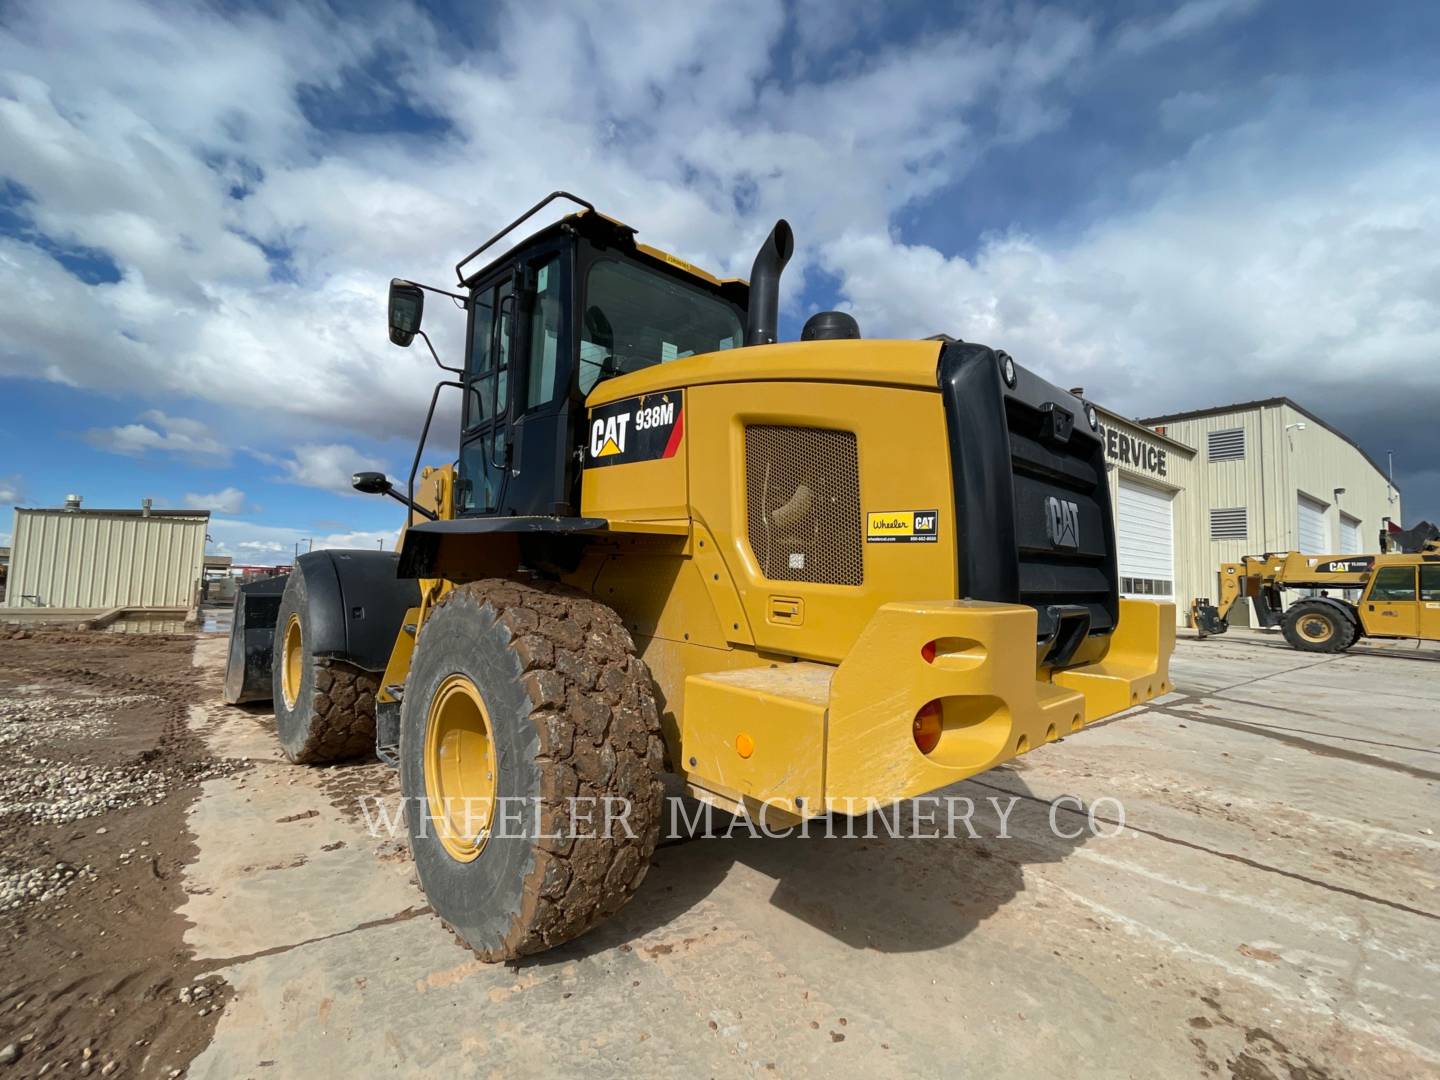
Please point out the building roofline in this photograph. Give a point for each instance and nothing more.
(1176, 443)
(86, 511)
(1267, 403)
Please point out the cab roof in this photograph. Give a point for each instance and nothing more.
(611, 232)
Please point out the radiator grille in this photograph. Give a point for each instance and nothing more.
(802, 492)
(1072, 474)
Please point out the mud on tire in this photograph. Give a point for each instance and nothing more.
(572, 713)
(331, 714)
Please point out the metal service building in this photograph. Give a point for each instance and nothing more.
(1196, 489)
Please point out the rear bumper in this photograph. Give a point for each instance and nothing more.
(840, 738)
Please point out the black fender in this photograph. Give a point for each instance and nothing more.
(1342, 607)
(357, 604)
(420, 547)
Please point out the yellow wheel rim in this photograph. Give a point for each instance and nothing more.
(459, 768)
(1314, 628)
(293, 661)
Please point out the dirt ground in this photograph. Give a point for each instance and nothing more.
(1257, 899)
(97, 770)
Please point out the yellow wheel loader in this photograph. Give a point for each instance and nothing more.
(805, 577)
(1397, 596)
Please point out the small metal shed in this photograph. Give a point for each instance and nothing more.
(100, 559)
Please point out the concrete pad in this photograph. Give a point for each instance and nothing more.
(1270, 906)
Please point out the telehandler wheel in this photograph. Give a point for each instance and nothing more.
(1312, 626)
(530, 760)
(324, 709)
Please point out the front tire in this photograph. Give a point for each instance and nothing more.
(324, 708)
(1312, 626)
(525, 712)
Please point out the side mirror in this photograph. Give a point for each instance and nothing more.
(374, 483)
(370, 483)
(407, 305)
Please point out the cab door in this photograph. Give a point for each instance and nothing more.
(1430, 601)
(484, 444)
(1391, 606)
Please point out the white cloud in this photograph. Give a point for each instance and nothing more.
(159, 432)
(326, 465)
(230, 500)
(11, 490)
(1277, 258)
(1191, 17)
(134, 149)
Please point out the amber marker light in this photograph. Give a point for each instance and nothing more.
(928, 726)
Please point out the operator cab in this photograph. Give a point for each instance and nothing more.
(572, 305)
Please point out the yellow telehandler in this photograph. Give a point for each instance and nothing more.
(803, 576)
(1398, 596)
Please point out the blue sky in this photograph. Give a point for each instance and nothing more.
(1174, 205)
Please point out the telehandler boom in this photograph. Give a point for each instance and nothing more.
(805, 577)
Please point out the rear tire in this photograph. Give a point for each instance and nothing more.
(553, 705)
(1315, 626)
(324, 708)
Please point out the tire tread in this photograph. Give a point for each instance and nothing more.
(342, 724)
(593, 709)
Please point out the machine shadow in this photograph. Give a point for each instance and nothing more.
(861, 885)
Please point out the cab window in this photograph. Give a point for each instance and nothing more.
(487, 366)
(1430, 582)
(1393, 585)
(634, 317)
(480, 491)
(545, 316)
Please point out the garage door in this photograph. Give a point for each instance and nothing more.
(1349, 535)
(1145, 524)
(1314, 534)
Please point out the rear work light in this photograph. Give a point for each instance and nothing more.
(928, 726)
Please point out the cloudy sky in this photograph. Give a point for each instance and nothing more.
(1174, 205)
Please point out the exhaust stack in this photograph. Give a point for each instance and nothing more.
(762, 325)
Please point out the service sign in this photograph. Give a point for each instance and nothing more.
(646, 428)
(1139, 454)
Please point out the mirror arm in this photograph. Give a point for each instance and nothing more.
(431, 288)
(425, 434)
(442, 367)
(414, 506)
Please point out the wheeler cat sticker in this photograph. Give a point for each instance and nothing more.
(646, 428)
(902, 526)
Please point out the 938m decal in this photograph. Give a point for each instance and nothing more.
(636, 429)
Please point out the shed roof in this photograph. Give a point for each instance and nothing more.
(193, 515)
(1270, 403)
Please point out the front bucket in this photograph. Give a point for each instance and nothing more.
(252, 641)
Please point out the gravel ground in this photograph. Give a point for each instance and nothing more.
(97, 769)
